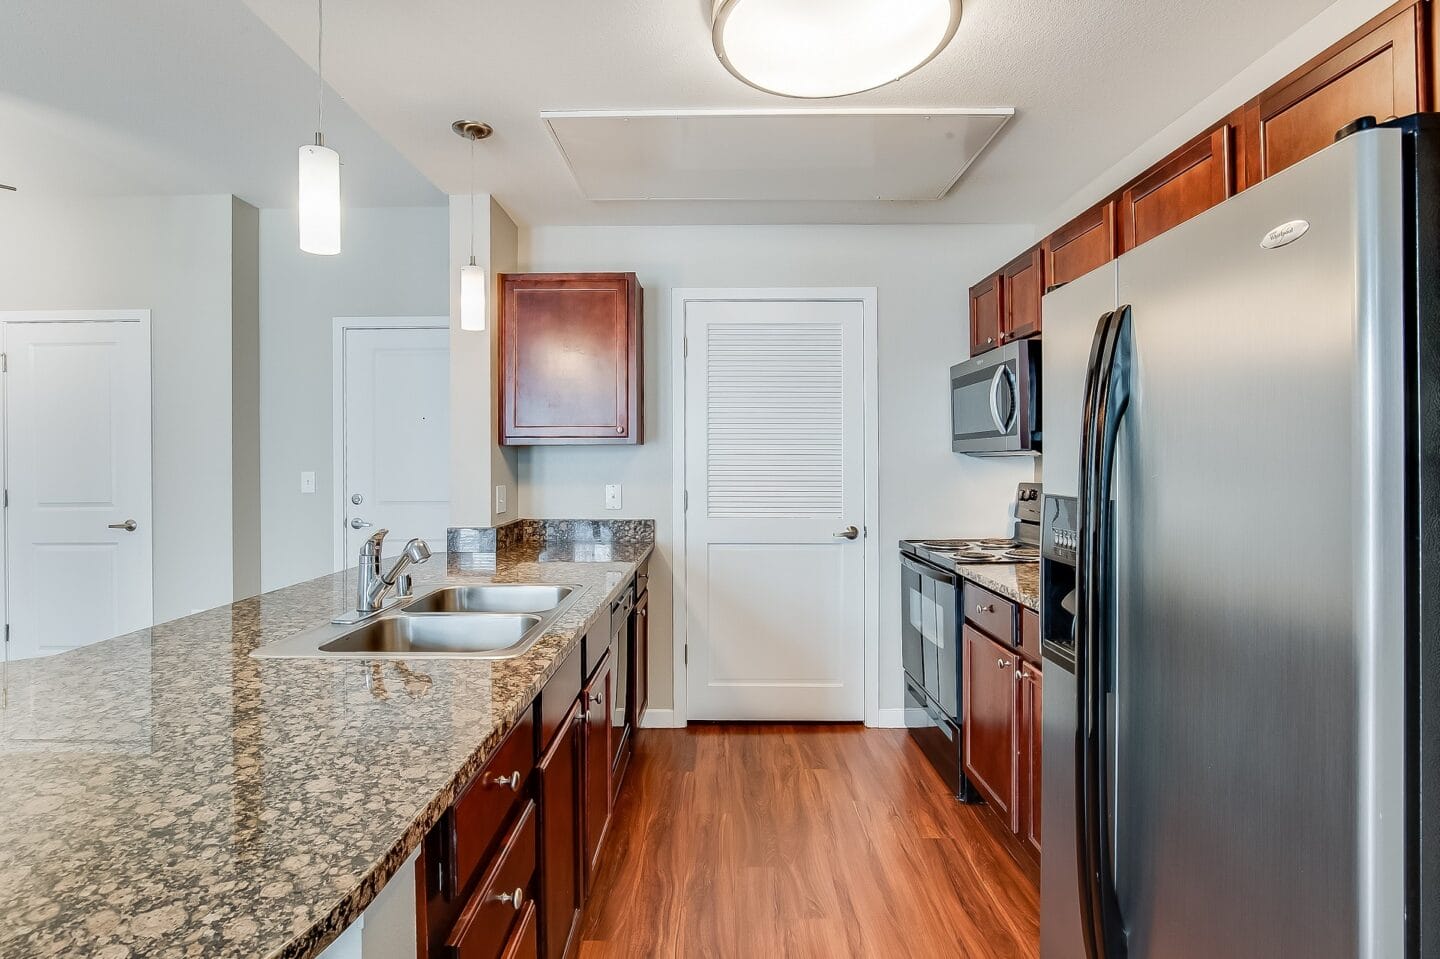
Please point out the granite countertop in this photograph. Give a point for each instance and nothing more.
(166, 794)
(1017, 581)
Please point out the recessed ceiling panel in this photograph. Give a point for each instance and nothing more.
(776, 155)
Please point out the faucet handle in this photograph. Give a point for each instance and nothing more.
(374, 542)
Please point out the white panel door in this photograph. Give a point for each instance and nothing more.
(397, 437)
(77, 462)
(774, 468)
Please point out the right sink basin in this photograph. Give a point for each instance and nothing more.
(491, 598)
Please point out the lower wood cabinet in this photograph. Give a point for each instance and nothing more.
(598, 764)
(562, 843)
(524, 942)
(990, 671)
(640, 664)
(484, 928)
(1028, 736)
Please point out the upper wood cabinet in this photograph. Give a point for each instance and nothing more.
(1086, 242)
(1377, 71)
(570, 346)
(1190, 181)
(1024, 285)
(985, 317)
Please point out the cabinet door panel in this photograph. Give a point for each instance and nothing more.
(990, 701)
(1030, 755)
(985, 315)
(484, 925)
(640, 668)
(561, 840)
(571, 361)
(1024, 285)
(1185, 184)
(1375, 72)
(1083, 244)
(597, 712)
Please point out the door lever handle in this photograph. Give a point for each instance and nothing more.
(128, 526)
(358, 523)
(850, 532)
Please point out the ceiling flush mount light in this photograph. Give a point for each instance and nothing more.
(472, 277)
(801, 48)
(320, 171)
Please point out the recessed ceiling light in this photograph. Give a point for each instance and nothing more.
(801, 48)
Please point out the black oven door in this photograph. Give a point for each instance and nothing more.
(993, 402)
(930, 632)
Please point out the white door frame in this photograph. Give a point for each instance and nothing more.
(868, 298)
(141, 317)
(343, 324)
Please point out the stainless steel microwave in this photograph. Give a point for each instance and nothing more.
(995, 401)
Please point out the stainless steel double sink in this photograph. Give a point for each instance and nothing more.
(482, 621)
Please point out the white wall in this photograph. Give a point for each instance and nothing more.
(922, 273)
(393, 264)
(172, 256)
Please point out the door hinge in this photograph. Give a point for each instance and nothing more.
(687, 499)
(687, 647)
(685, 346)
(5, 500)
(4, 362)
(7, 633)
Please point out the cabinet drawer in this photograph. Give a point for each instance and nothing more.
(1030, 634)
(525, 942)
(483, 929)
(486, 804)
(993, 614)
(560, 692)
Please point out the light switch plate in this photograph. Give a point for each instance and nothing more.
(500, 499)
(307, 482)
(612, 496)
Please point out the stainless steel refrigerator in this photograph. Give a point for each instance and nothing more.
(1240, 599)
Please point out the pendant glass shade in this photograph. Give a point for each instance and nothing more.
(801, 48)
(472, 297)
(319, 200)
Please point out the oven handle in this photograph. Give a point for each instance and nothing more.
(930, 572)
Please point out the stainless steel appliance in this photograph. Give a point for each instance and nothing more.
(930, 631)
(995, 401)
(1246, 411)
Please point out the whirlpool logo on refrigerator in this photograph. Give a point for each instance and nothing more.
(1285, 234)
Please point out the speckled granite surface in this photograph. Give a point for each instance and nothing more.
(1017, 581)
(165, 794)
(534, 532)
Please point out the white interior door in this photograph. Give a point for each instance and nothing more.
(396, 409)
(774, 469)
(77, 464)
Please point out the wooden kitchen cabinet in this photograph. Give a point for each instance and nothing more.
(598, 783)
(1023, 285)
(572, 370)
(562, 842)
(985, 315)
(1083, 244)
(1377, 71)
(990, 701)
(640, 663)
(1028, 753)
(1190, 181)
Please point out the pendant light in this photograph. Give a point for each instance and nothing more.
(319, 170)
(800, 48)
(472, 277)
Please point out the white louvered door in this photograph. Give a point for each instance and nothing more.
(774, 467)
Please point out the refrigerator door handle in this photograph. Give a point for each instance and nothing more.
(1107, 400)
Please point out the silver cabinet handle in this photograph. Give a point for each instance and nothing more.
(984, 607)
(619, 429)
(849, 532)
(512, 780)
(516, 898)
(128, 526)
(597, 698)
(1003, 663)
(358, 523)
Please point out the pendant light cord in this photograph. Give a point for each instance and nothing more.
(472, 201)
(320, 70)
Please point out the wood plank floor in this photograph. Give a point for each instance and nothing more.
(739, 841)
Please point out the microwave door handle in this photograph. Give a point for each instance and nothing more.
(995, 383)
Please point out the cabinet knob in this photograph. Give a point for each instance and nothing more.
(990, 340)
(1003, 663)
(619, 429)
(516, 898)
(984, 607)
(597, 698)
(512, 780)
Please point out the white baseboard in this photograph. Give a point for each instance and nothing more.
(892, 718)
(660, 719)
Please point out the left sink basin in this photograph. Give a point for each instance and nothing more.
(407, 635)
